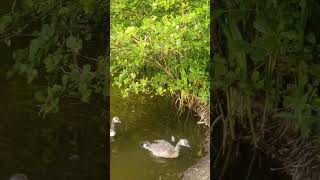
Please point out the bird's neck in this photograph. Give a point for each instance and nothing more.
(112, 125)
(177, 148)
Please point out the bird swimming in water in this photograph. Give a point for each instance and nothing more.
(162, 148)
(173, 139)
(112, 129)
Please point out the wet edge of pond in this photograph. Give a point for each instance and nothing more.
(170, 100)
(241, 161)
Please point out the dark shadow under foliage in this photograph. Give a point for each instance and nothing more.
(266, 79)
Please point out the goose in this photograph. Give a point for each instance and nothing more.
(162, 148)
(173, 139)
(112, 129)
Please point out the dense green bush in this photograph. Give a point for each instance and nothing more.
(156, 46)
(161, 47)
(267, 63)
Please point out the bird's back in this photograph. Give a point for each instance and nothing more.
(163, 149)
(112, 133)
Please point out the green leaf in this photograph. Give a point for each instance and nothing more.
(86, 95)
(89, 6)
(63, 11)
(37, 45)
(311, 38)
(86, 68)
(74, 43)
(270, 43)
(285, 115)
(32, 75)
(56, 88)
(65, 80)
(27, 4)
(240, 46)
(5, 22)
(262, 24)
(52, 61)
(39, 96)
(220, 67)
(255, 76)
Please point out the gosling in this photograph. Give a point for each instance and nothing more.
(163, 149)
(112, 129)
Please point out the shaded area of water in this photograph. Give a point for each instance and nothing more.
(242, 162)
(146, 118)
(67, 145)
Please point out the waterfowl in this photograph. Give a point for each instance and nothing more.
(112, 129)
(201, 121)
(162, 148)
(173, 139)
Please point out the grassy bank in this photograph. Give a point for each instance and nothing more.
(266, 74)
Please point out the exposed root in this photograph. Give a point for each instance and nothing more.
(200, 170)
(202, 111)
(299, 158)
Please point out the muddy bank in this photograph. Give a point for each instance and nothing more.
(300, 159)
(199, 171)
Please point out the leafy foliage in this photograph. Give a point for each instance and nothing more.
(268, 55)
(58, 34)
(161, 47)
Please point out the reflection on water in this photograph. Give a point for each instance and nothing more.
(145, 118)
(68, 145)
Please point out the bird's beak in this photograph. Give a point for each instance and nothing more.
(200, 122)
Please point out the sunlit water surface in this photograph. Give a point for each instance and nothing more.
(147, 118)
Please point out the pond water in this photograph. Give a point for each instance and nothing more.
(67, 145)
(147, 118)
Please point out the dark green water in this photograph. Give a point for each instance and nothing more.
(145, 118)
(67, 145)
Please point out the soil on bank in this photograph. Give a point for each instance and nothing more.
(201, 170)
